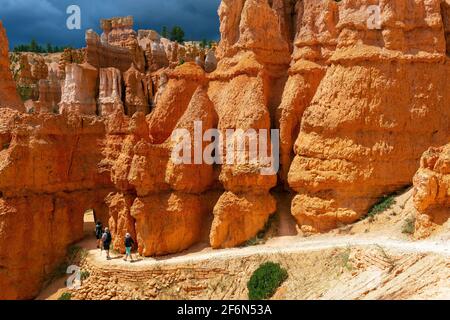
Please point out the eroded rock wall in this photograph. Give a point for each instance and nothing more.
(381, 103)
(8, 94)
(254, 58)
(48, 179)
(80, 89)
(432, 190)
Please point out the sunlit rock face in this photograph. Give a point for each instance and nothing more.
(48, 179)
(432, 191)
(110, 92)
(380, 105)
(8, 94)
(137, 91)
(80, 89)
(118, 32)
(49, 94)
(100, 54)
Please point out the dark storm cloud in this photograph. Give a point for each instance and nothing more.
(45, 20)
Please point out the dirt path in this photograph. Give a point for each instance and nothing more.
(282, 245)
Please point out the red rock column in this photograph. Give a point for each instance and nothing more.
(80, 89)
(8, 93)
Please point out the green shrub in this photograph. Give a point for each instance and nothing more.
(84, 275)
(65, 296)
(345, 258)
(265, 281)
(383, 205)
(409, 225)
(262, 235)
(25, 92)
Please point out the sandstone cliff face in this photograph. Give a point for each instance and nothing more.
(39, 69)
(254, 56)
(371, 110)
(48, 179)
(49, 94)
(315, 40)
(156, 56)
(194, 178)
(136, 92)
(239, 217)
(432, 190)
(80, 89)
(167, 223)
(100, 54)
(236, 96)
(173, 99)
(37, 78)
(119, 32)
(110, 92)
(8, 94)
(70, 56)
(120, 222)
(445, 7)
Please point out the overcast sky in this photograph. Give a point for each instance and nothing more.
(45, 20)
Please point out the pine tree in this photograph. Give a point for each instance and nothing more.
(203, 44)
(177, 34)
(164, 32)
(33, 46)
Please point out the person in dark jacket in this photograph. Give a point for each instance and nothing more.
(107, 239)
(99, 233)
(129, 243)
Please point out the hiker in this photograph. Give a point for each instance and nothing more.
(98, 234)
(106, 239)
(129, 242)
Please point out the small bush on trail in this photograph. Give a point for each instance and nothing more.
(345, 258)
(265, 281)
(383, 205)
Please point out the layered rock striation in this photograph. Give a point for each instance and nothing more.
(380, 105)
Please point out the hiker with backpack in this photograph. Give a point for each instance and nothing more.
(99, 233)
(107, 239)
(129, 243)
